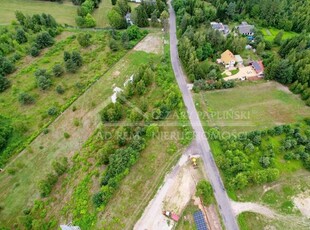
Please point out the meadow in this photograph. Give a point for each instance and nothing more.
(64, 12)
(250, 106)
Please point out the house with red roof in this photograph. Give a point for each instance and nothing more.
(258, 67)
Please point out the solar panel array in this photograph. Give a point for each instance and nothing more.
(200, 221)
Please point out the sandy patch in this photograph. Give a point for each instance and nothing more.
(239, 207)
(116, 73)
(152, 43)
(179, 183)
(302, 202)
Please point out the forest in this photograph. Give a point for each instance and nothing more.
(289, 15)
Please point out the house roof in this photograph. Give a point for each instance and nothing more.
(258, 66)
(245, 28)
(227, 56)
(238, 58)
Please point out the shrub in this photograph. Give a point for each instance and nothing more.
(52, 111)
(44, 82)
(21, 36)
(6, 66)
(66, 135)
(60, 90)
(34, 51)
(205, 191)
(98, 199)
(60, 165)
(25, 99)
(84, 39)
(58, 70)
(4, 83)
(113, 45)
(43, 40)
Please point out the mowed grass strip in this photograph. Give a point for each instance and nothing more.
(19, 190)
(271, 33)
(255, 105)
(64, 13)
(101, 14)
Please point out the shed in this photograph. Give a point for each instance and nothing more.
(239, 59)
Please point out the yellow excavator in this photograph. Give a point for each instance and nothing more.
(194, 162)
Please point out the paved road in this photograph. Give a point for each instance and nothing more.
(202, 142)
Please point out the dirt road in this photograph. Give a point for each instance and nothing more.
(177, 189)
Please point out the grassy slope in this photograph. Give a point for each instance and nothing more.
(25, 180)
(250, 107)
(63, 13)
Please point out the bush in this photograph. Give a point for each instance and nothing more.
(113, 45)
(43, 40)
(25, 99)
(34, 51)
(4, 83)
(6, 66)
(66, 135)
(98, 199)
(47, 184)
(52, 111)
(205, 191)
(58, 70)
(84, 39)
(60, 165)
(60, 90)
(44, 82)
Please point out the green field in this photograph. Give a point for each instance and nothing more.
(271, 33)
(255, 105)
(64, 13)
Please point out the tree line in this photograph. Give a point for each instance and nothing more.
(288, 15)
(153, 10)
(291, 64)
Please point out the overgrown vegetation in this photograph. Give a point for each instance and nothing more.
(205, 192)
(255, 157)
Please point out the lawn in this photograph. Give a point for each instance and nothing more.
(271, 33)
(101, 14)
(64, 13)
(250, 106)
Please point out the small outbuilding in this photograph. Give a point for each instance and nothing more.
(239, 59)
